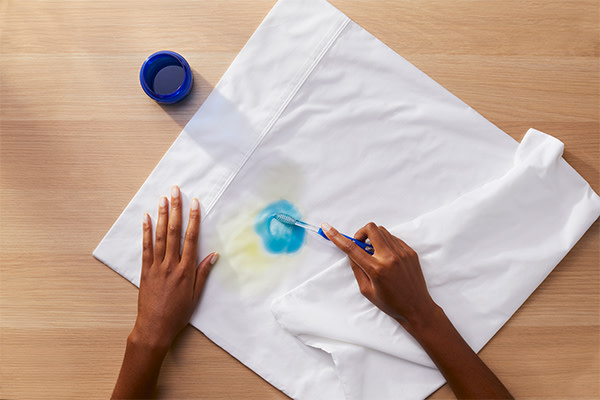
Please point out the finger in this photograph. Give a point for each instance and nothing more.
(174, 232)
(160, 243)
(346, 245)
(361, 234)
(399, 244)
(190, 243)
(147, 253)
(363, 280)
(371, 231)
(202, 272)
(391, 239)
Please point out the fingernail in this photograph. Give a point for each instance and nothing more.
(146, 219)
(326, 227)
(175, 191)
(163, 201)
(195, 204)
(214, 258)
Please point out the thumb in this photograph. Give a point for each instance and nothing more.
(202, 272)
(346, 245)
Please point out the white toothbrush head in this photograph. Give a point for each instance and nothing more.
(285, 219)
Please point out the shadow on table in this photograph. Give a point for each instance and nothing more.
(183, 111)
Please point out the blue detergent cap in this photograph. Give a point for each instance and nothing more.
(166, 77)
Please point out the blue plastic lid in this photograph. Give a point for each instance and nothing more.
(166, 77)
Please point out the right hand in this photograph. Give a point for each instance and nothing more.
(391, 278)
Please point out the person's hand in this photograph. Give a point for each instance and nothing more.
(391, 278)
(171, 282)
(170, 288)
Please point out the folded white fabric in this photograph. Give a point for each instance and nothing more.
(482, 255)
(316, 111)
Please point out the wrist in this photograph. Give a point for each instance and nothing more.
(144, 339)
(428, 319)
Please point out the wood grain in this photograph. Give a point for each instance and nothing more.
(78, 137)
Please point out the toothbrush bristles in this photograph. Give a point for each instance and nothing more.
(285, 219)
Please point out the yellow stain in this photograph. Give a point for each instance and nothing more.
(244, 262)
(244, 265)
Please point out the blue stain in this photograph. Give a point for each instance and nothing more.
(278, 237)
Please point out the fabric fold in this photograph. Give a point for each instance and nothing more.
(482, 256)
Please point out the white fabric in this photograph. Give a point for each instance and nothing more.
(481, 257)
(317, 111)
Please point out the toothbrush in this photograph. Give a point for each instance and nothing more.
(289, 220)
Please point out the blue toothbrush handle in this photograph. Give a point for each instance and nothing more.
(366, 247)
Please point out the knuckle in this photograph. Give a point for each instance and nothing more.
(172, 228)
(376, 272)
(389, 259)
(371, 225)
(348, 245)
(180, 274)
(190, 240)
(191, 237)
(169, 266)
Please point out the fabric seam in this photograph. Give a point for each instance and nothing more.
(278, 113)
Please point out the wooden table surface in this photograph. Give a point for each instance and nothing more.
(79, 137)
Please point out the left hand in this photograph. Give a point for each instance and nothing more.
(171, 282)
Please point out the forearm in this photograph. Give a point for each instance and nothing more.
(466, 373)
(140, 369)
